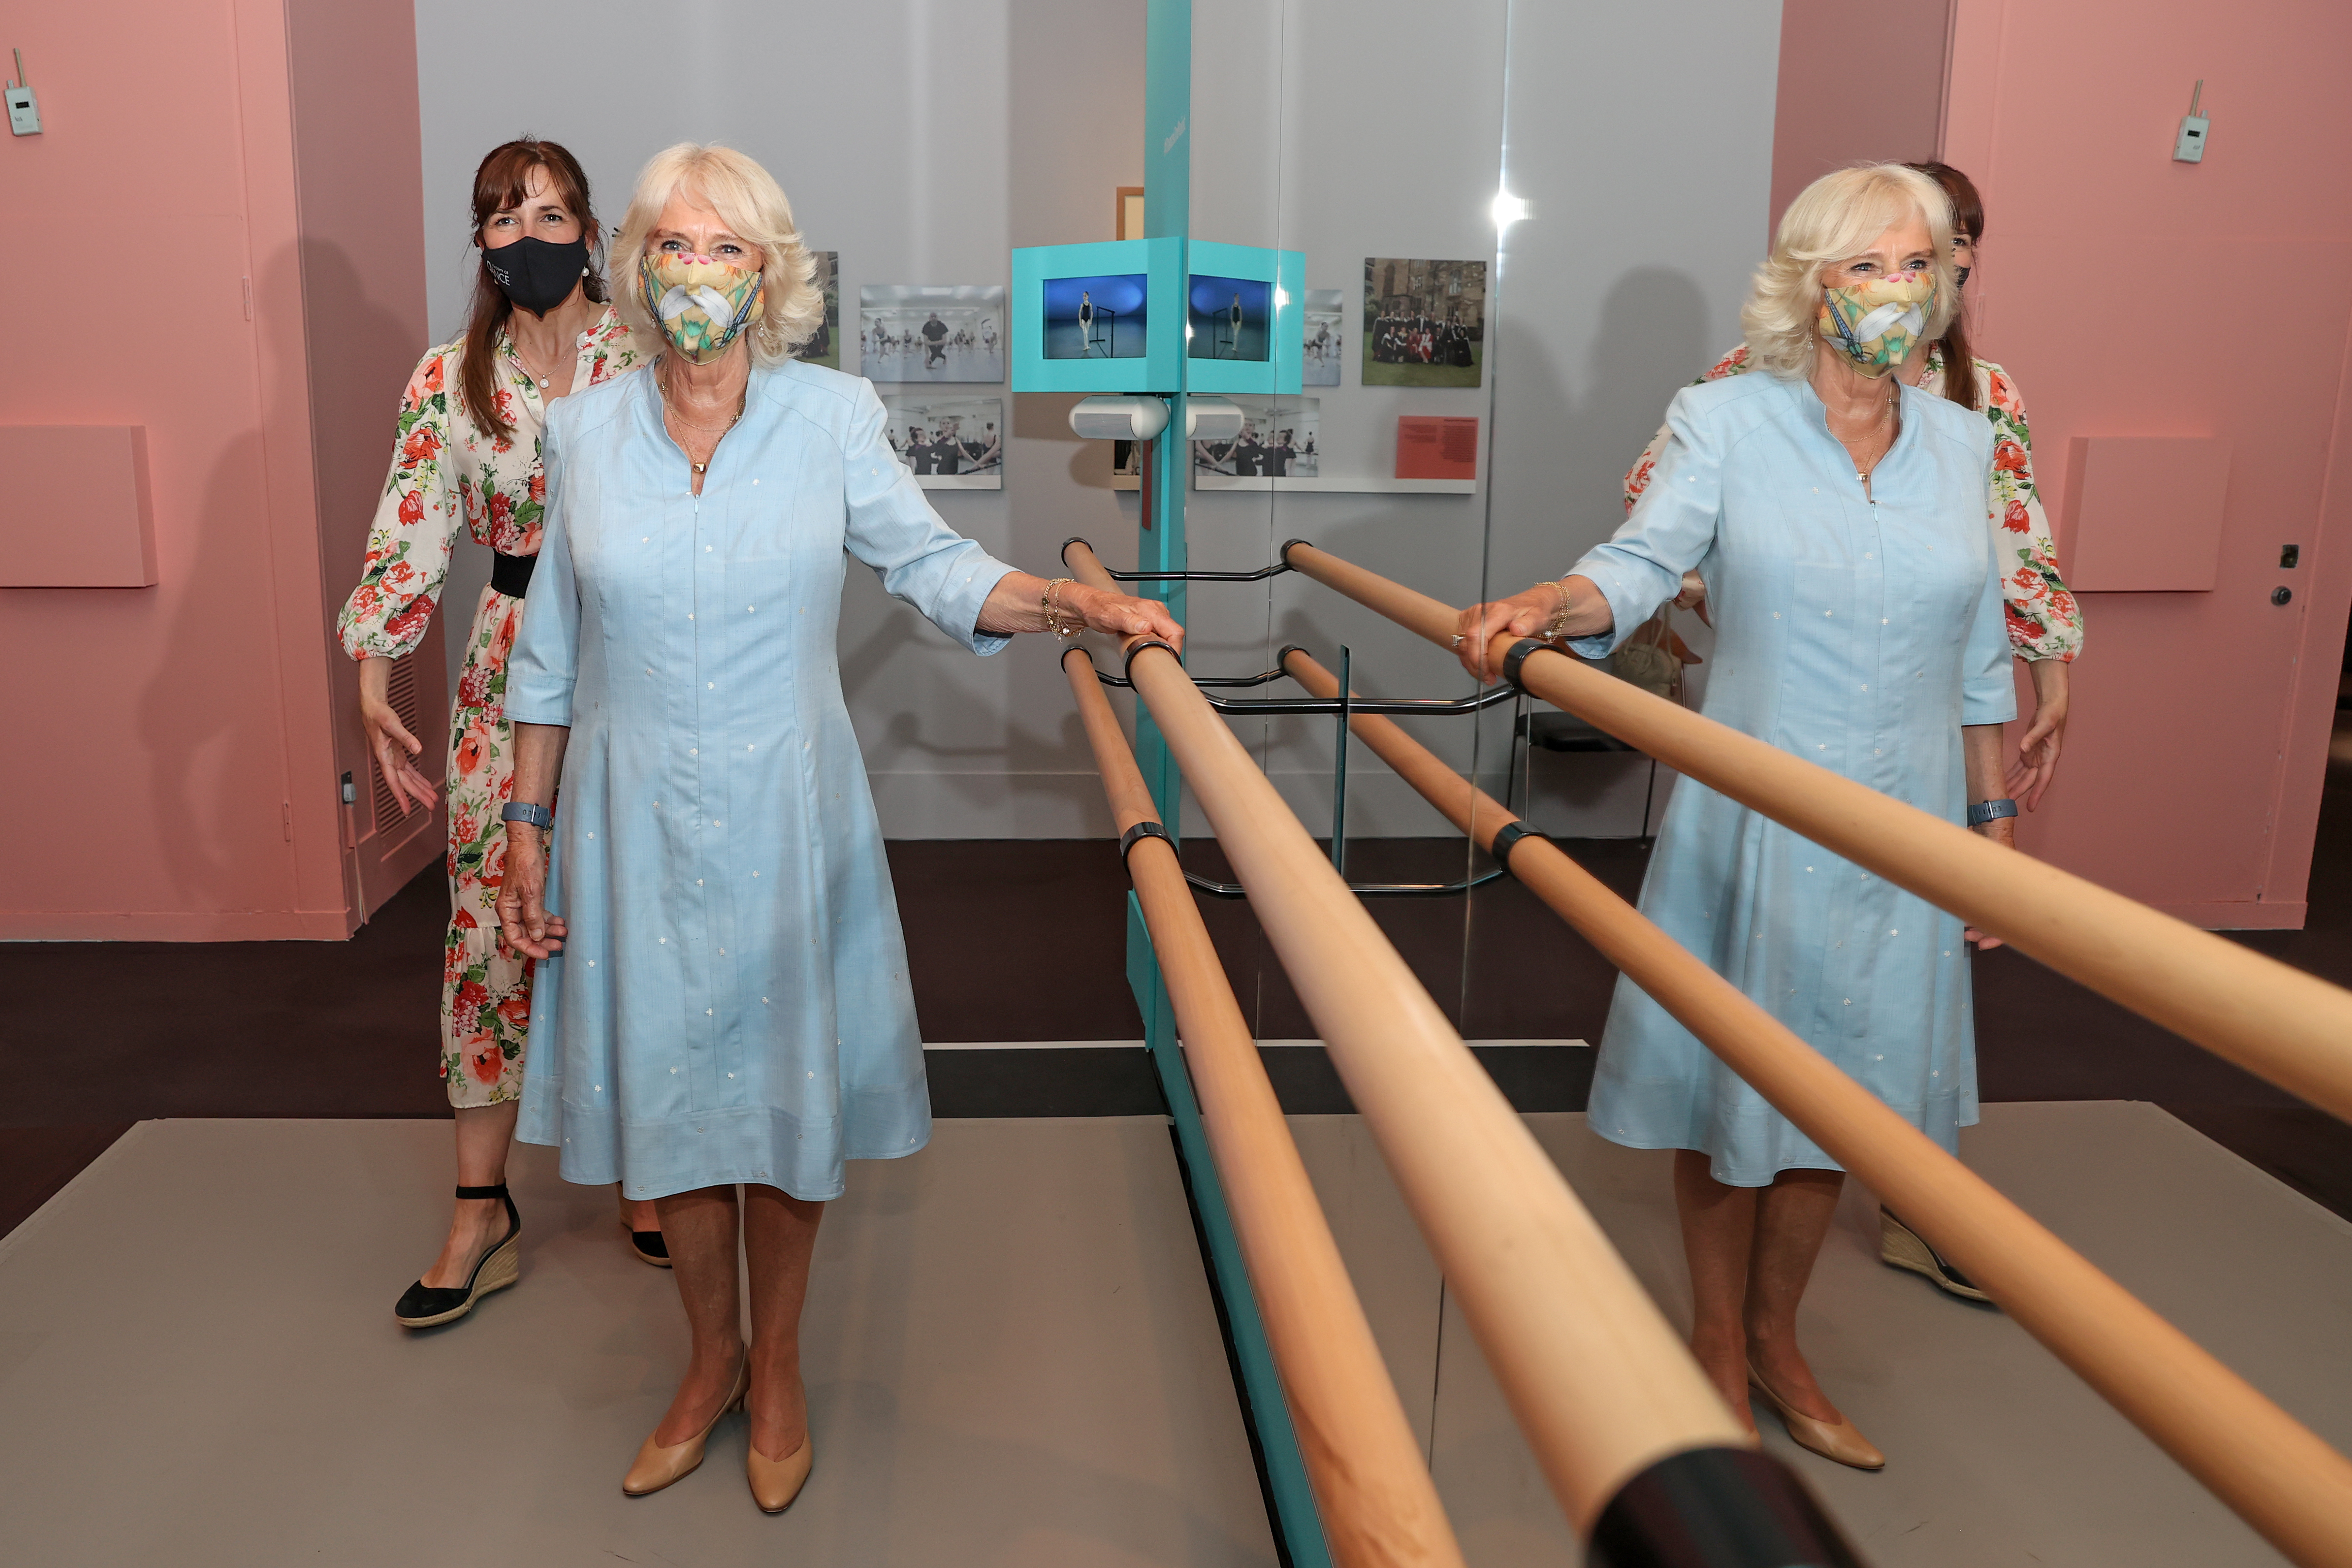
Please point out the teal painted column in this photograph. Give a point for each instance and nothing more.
(1167, 211)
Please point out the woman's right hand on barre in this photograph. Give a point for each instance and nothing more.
(1533, 613)
(388, 740)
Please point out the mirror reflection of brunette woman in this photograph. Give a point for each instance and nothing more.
(467, 459)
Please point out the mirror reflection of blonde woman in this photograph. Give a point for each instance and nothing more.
(1838, 516)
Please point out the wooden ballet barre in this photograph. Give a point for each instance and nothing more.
(2274, 1021)
(1372, 1487)
(2272, 1471)
(1602, 1386)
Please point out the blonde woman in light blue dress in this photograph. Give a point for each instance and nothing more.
(1838, 519)
(723, 998)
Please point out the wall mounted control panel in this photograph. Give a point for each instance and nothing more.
(2188, 147)
(24, 109)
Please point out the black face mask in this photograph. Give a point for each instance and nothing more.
(537, 275)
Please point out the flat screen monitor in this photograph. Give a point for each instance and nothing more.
(1098, 317)
(1227, 318)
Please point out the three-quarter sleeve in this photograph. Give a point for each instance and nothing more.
(892, 528)
(1670, 530)
(415, 523)
(546, 658)
(2044, 619)
(1988, 692)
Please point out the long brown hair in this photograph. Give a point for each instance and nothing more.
(1968, 218)
(502, 181)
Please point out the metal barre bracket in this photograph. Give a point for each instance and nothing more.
(1516, 656)
(1343, 707)
(1142, 830)
(1277, 570)
(1507, 838)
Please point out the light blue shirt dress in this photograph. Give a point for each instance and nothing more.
(1854, 632)
(732, 1003)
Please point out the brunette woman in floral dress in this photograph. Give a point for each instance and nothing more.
(467, 458)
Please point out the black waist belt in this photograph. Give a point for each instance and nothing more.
(510, 575)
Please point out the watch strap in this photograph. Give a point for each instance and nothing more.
(538, 817)
(1990, 811)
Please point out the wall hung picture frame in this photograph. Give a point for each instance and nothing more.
(1278, 448)
(824, 348)
(1324, 349)
(1425, 322)
(948, 442)
(932, 332)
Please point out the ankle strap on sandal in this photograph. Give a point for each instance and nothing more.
(498, 1192)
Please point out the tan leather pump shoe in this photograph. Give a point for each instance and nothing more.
(1831, 1439)
(657, 1466)
(776, 1482)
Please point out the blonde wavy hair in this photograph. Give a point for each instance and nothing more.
(1839, 215)
(748, 199)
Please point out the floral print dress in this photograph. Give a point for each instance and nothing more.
(2044, 621)
(449, 473)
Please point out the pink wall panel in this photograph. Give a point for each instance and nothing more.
(359, 172)
(180, 778)
(2144, 513)
(75, 506)
(1855, 82)
(2126, 292)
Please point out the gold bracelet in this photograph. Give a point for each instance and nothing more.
(1051, 601)
(1555, 628)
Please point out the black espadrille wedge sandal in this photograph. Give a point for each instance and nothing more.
(423, 1306)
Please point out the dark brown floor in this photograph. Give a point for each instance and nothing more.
(1026, 939)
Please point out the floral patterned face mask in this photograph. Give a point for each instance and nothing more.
(701, 302)
(1876, 323)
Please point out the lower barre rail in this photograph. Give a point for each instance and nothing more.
(1372, 1490)
(2274, 1471)
(1600, 1383)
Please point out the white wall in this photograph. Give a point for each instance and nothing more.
(922, 140)
(1641, 140)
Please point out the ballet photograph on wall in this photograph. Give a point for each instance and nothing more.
(949, 443)
(1425, 322)
(1280, 439)
(915, 331)
(1327, 318)
(824, 348)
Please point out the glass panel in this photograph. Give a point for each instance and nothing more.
(1346, 132)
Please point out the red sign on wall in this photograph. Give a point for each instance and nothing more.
(1436, 448)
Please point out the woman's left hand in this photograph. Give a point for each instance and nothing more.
(1122, 614)
(2037, 752)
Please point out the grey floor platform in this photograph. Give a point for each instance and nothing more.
(1013, 1361)
(1997, 1454)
